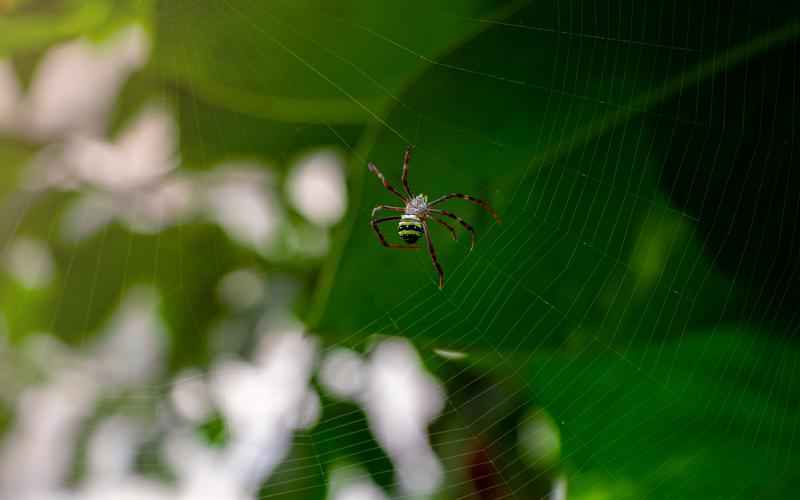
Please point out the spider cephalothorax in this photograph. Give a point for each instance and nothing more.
(411, 226)
(416, 211)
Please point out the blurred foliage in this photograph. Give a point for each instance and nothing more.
(34, 24)
(715, 412)
(330, 71)
(600, 300)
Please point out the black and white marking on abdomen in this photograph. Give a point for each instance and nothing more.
(410, 229)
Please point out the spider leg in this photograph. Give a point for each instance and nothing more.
(446, 225)
(460, 221)
(406, 160)
(387, 207)
(484, 205)
(374, 223)
(432, 252)
(374, 170)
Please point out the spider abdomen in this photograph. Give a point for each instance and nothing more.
(410, 229)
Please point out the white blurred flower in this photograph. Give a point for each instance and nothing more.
(144, 152)
(73, 88)
(263, 403)
(30, 262)
(202, 473)
(359, 490)
(132, 178)
(559, 491)
(126, 179)
(190, 398)
(48, 354)
(309, 412)
(131, 349)
(67, 107)
(112, 449)
(237, 196)
(353, 483)
(401, 400)
(168, 202)
(129, 488)
(86, 216)
(343, 373)
(242, 289)
(316, 187)
(36, 457)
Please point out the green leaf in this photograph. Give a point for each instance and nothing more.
(712, 415)
(561, 135)
(35, 26)
(575, 180)
(306, 61)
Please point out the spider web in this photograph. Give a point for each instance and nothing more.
(617, 388)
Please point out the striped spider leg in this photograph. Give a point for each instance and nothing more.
(447, 226)
(406, 161)
(484, 205)
(374, 169)
(374, 222)
(461, 221)
(432, 252)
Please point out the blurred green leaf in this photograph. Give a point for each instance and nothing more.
(306, 61)
(711, 415)
(13, 156)
(35, 26)
(213, 431)
(556, 134)
(210, 134)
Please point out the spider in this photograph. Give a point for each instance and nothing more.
(416, 212)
